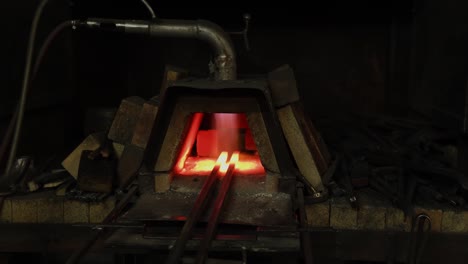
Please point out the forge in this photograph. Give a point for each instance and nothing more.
(197, 120)
(235, 156)
(148, 135)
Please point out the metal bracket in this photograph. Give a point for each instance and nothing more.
(244, 32)
(420, 229)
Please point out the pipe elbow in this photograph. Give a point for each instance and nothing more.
(214, 35)
(220, 41)
(224, 62)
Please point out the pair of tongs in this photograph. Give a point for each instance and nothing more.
(200, 204)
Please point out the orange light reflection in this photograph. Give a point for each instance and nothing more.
(199, 166)
(222, 158)
(222, 162)
(227, 127)
(189, 140)
(234, 158)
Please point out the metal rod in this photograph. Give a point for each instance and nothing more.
(120, 205)
(37, 63)
(150, 9)
(214, 217)
(306, 241)
(178, 249)
(8, 135)
(25, 85)
(76, 257)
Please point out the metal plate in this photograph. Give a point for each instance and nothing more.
(126, 238)
(262, 209)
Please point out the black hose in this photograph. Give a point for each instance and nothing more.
(148, 6)
(8, 135)
(46, 44)
(25, 85)
(37, 63)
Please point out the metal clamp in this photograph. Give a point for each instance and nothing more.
(420, 221)
(419, 236)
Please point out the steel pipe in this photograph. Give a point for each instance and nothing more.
(224, 61)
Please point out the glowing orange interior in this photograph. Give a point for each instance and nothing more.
(209, 136)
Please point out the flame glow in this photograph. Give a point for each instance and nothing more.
(222, 158)
(248, 165)
(235, 158)
(233, 161)
(222, 162)
(228, 134)
(218, 140)
(189, 140)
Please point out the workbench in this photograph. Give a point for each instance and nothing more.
(47, 208)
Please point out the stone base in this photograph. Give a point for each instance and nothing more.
(374, 215)
(46, 207)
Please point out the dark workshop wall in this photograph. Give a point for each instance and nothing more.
(440, 61)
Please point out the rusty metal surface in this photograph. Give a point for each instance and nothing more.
(125, 120)
(128, 165)
(163, 157)
(204, 84)
(283, 86)
(262, 141)
(268, 209)
(232, 104)
(145, 123)
(298, 139)
(96, 174)
(199, 206)
(255, 91)
(242, 184)
(215, 213)
(314, 140)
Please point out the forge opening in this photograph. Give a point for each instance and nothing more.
(210, 134)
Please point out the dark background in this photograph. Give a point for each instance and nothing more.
(405, 58)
